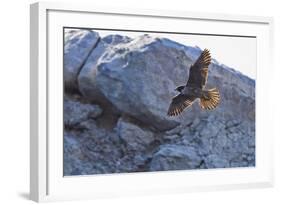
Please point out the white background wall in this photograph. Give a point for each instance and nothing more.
(14, 102)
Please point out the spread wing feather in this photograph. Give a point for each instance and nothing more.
(198, 72)
(179, 103)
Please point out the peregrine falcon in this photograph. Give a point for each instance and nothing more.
(194, 88)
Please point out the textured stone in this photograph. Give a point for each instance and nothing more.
(77, 46)
(175, 157)
(87, 76)
(215, 161)
(135, 138)
(137, 77)
(75, 112)
(73, 161)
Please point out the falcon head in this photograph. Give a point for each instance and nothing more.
(180, 88)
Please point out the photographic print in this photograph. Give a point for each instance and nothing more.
(143, 101)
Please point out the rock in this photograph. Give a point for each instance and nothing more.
(215, 161)
(87, 76)
(137, 77)
(171, 137)
(77, 46)
(111, 40)
(232, 123)
(75, 112)
(73, 158)
(209, 129)
(135, 138)
(103, 150)
(122, 70)
(175, 157)
(92, 151)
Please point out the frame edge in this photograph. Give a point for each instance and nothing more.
(34, 171)
(38, 103)
(185, 14)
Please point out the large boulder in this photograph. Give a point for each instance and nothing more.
(138, 77)
(77, 46)
(87, 76)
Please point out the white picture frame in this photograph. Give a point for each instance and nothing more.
(46, 178)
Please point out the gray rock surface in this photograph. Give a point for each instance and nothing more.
(74, 160)
(77, 46)
(175, 157)
(76, 112)
(128, 84)
(87, 77)
(135, 138)
(138, 77)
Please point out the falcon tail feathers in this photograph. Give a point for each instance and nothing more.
(210, 99)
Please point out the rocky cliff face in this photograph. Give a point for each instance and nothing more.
(115, 114)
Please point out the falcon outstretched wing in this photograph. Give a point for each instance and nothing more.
(198, 72)
(179, 103)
